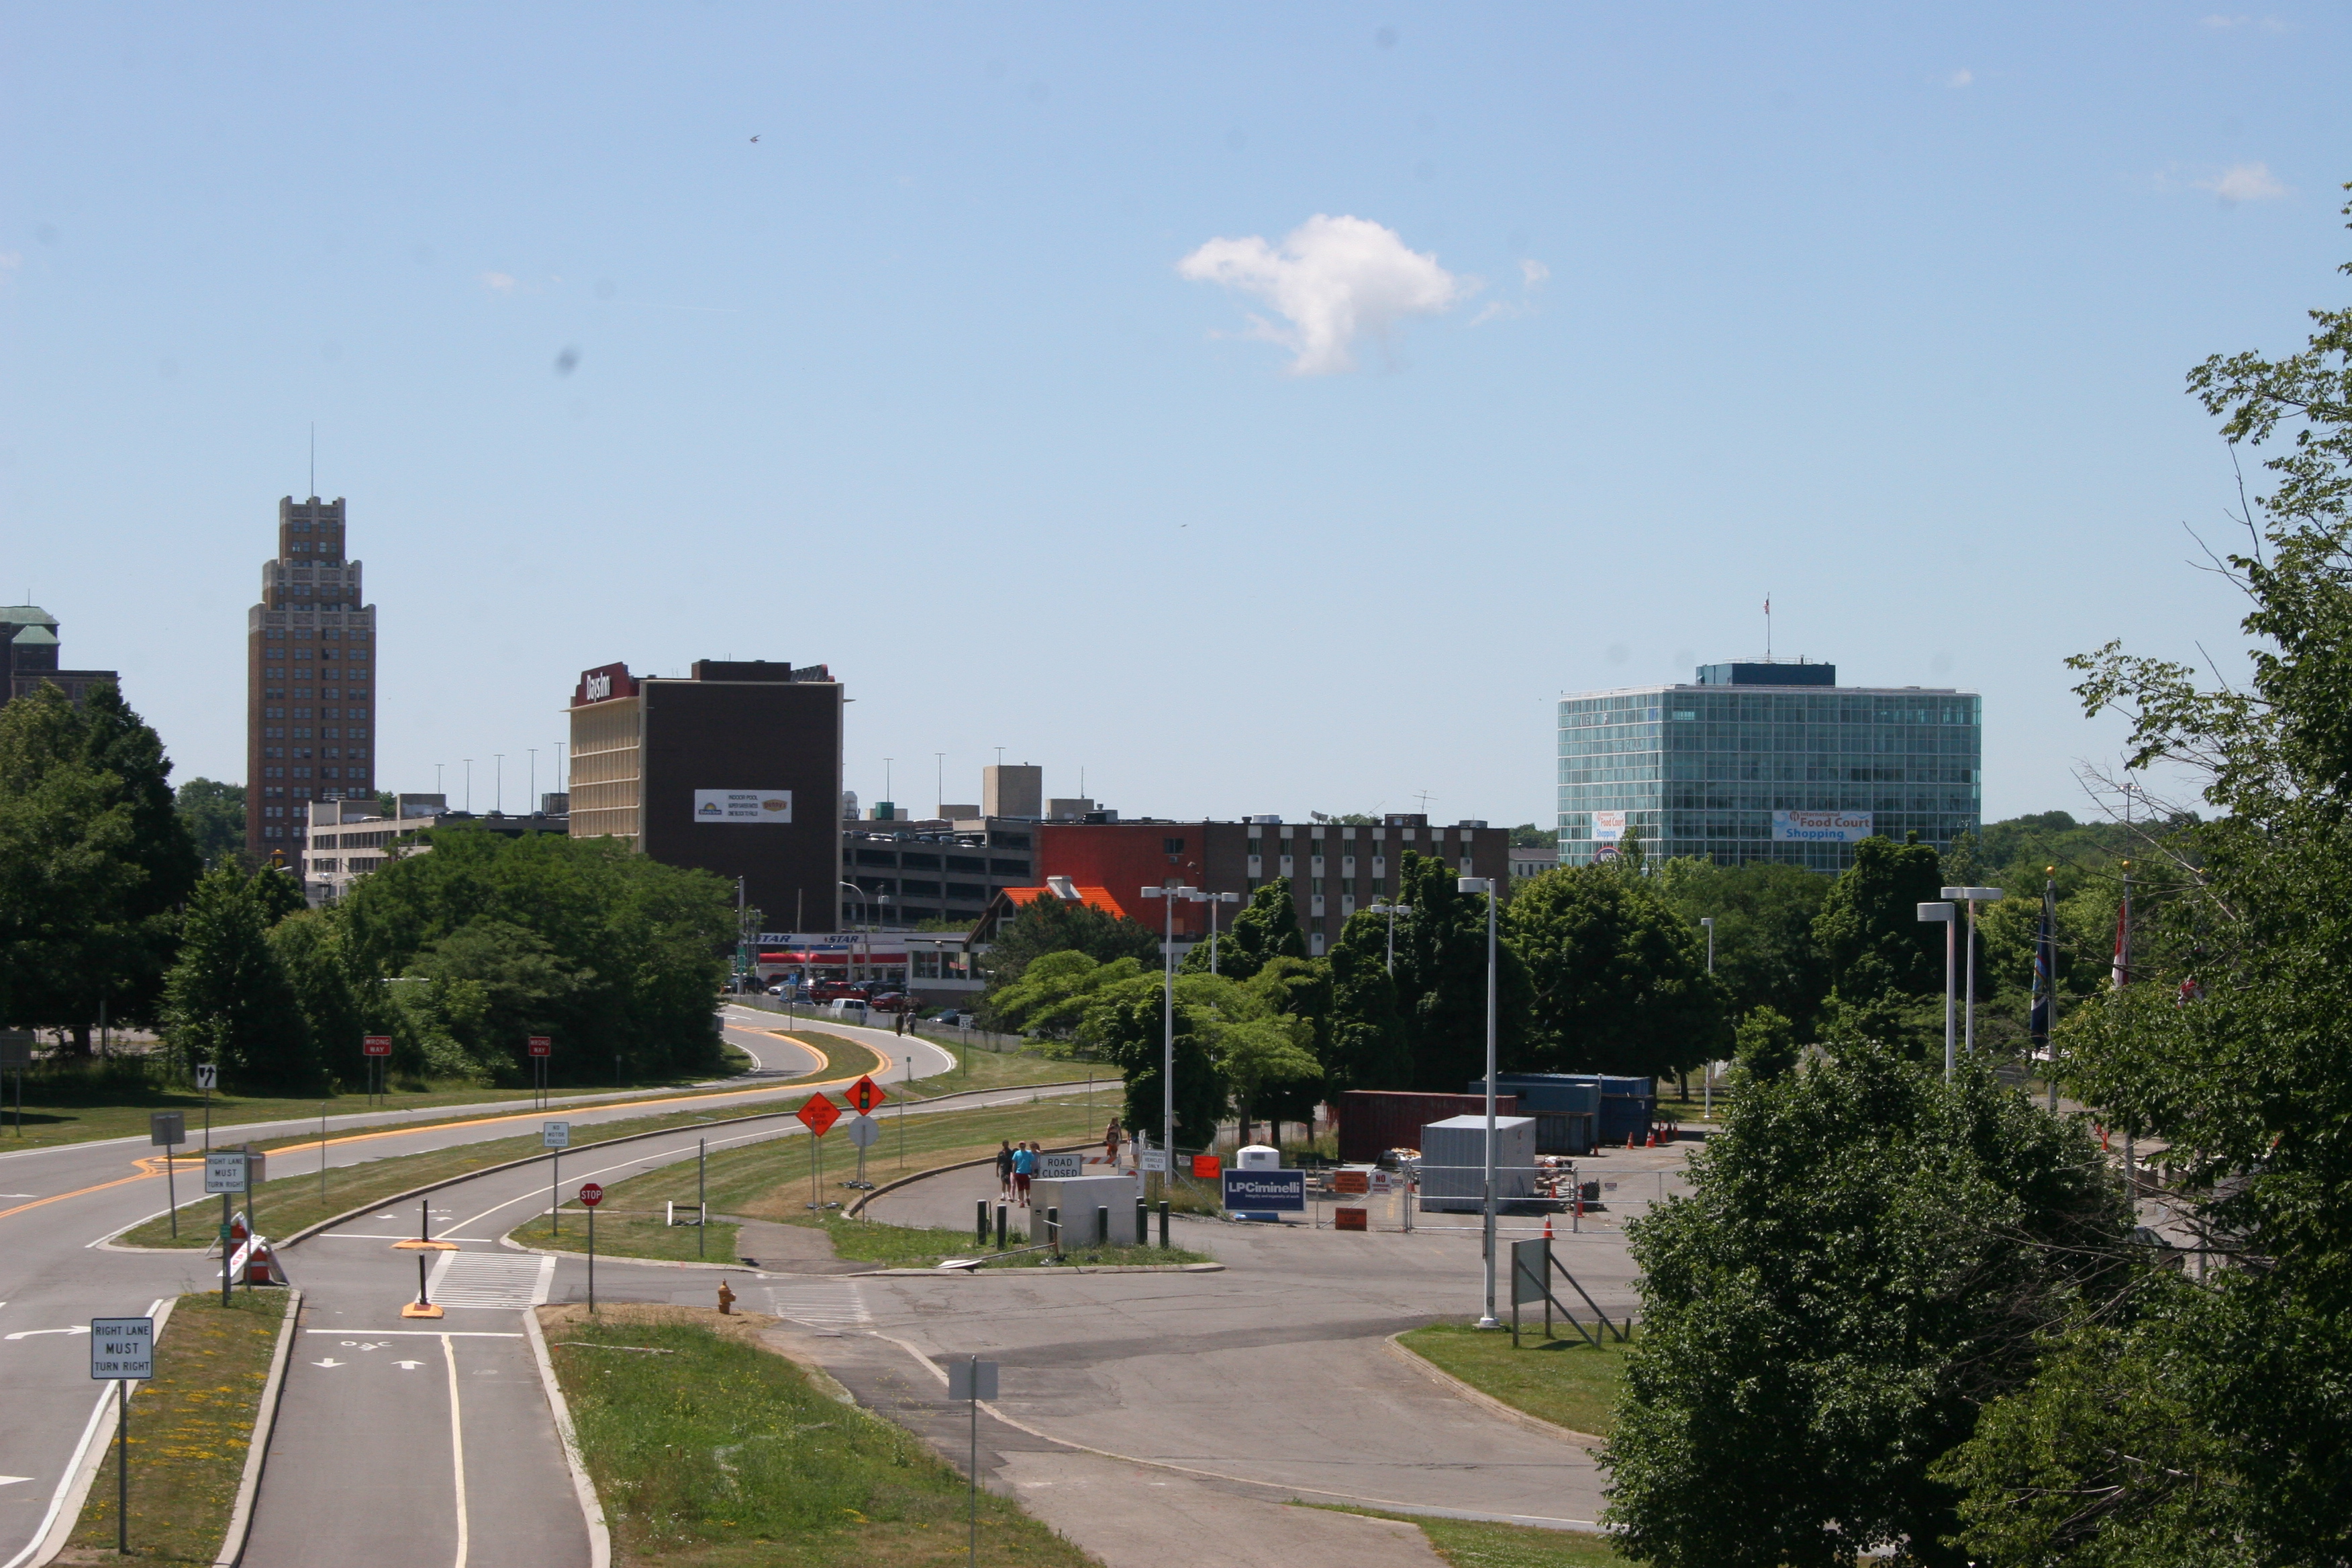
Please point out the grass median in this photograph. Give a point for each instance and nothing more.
(1478, 1544)
(709, 1450)
(191, 1427)
(1564, 1380)
(770, 1180)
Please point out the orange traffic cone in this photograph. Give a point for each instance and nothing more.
(1653, 1141)
(1547, 1227)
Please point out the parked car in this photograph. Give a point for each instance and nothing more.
(893, 1002)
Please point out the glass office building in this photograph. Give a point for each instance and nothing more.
(1765, 761)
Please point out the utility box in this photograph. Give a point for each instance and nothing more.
(1454, 1162)
(1078, 1197)
(1258, 1157)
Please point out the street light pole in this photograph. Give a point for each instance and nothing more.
(1391, 911)
(1212, 900)
(1487, 885)
(1972, 897)
(849, 952)
(1945, 913)
(1167, 895)
(1706, 1091)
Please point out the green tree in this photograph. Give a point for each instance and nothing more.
(1367, 1044)
(213, 814)
(1049, 924)
(1868, 1256)
(1872, 940)
(631, 951)
(1265, 929)
(1127, 1028)
(1300, 990)
(339, 1004)
(2226, 1423)
(1534, 836)
(1057, 990)
(102, 938)
(1620, 979)
(1765, 955)
(1765, 1044)
(229, 1000)
(1438, 992)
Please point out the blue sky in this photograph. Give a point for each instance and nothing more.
(1883, 311)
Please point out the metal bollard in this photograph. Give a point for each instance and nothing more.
(1163, 1223)
(1142, 1224)
(980, 1224)
(1054, 1229)
(1000, 1227)
(1102, 1225)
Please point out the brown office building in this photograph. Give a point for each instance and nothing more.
(735, 769)
(309, 670)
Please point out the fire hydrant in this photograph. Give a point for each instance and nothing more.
(726, 1300)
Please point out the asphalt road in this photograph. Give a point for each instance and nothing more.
(60, 1206)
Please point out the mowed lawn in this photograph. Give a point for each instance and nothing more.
(1564, 1380)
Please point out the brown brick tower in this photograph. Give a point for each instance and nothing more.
(310, 678)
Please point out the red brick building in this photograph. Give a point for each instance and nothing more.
(1334, 868)
(310, 706)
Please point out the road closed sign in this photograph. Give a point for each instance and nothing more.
(1060, 1167)
(121, 1347)
(591, 1193)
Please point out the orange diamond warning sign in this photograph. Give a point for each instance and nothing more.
(865, 1094)
(818, 1115)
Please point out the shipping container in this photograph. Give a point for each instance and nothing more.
(1454, 1162)
(1595, 1108)
(1374, 1120)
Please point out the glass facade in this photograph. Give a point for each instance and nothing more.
(1701, 769)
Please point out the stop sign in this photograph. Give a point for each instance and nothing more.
(591, 1193)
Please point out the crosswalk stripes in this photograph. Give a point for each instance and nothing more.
(514, 1281)
(820, 1303)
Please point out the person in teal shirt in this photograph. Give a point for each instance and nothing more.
(1025, 1165)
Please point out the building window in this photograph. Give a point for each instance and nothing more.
(1172, 847)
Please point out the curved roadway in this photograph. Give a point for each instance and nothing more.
(60, 1208)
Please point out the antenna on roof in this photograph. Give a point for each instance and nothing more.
(314, 457)
(1768, 628)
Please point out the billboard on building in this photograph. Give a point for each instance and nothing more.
(1820, 826)
(742, 806)
(1608, 826)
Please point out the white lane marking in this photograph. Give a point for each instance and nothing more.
(358, 1236)
(331, 1360)
(456, 1446)
(831, 1303)
(492, 1279)
(73, 1466)
(415, 1333)
(12, 1480)
(30, 1333)
(546, 1280)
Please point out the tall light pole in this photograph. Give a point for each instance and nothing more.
(1168, 895)
(1487, 885)
(1945, 913)
(1391, 911)
(1972, 897)
(850, 957)
(1706, 1091)
(1212, 900)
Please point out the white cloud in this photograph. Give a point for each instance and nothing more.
(2244, 183)
(1960, 77)
(498, 282)
(1332, 280)
(1535, 272)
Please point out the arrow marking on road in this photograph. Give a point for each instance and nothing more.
(331, 1360)
(408, 1365)
(29, 1334)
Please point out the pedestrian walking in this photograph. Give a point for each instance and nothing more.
(1025, 1165)
(1005, 1169)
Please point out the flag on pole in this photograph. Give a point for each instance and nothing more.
(2045, 969)
(2121, 972)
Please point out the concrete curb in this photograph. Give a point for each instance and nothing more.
(1034, 1270)
(307, 1231)
(65, 1507)
(511, 1243)
(1485, 1400)
(265, 1422)
(592, 1512)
